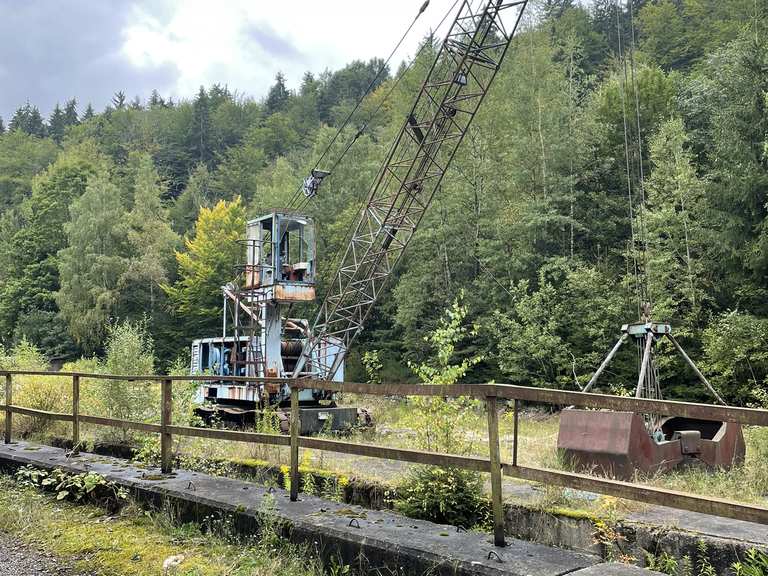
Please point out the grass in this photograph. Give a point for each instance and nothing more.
(136, 543)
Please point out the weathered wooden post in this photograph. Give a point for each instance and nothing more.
(294, 443)
(496, 495)
(166, 440)
(8, 403)
(75, 413)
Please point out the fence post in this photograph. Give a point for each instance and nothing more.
(75, 414)
(496, 496)
(515, 429)
(294, 443)
(166, 440)
(8, 403)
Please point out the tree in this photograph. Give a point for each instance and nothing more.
(89, 113)
(21, 157)
(152, 244)
(197, 194)
(91, 265)
(31, 251)
(674, 224)
(207, 264)
(278, 95)
(663, 34)
(70, 113)
(200, 128)
(27, 118)
(2, 126)
(118, 100)
(57, 124)
(155, 100)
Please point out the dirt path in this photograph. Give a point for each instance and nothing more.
(18, 559)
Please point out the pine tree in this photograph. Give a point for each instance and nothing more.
(277, 98)
(27, 118)
(2, 126)
(200, 128)
(89, 113)
(674, 227)
(56, 124)
(195, 196)
(70, 113)
(155, 100)
(118, 100)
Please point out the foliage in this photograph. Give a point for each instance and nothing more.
(736, 352)
(87, 486)
(754, 564)
(446, 496)
(129, 350)
(208, 263)
(135, 542)
(439, 423)
(372, 365)
(533, 221)
(663, 563)
(91, 264)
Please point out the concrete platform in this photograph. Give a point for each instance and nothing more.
(616, 570)
(360, 537)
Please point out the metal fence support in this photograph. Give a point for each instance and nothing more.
(294, 444)
(515, 431)
(496, 496)
(166, 439)
(8, 404)
(75, 414)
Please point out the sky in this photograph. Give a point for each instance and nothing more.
(54, 50)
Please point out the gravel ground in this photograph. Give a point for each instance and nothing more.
(17, 559)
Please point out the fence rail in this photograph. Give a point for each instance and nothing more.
(490, 393)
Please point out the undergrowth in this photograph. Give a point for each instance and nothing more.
(136, 542)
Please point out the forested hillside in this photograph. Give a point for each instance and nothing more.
(133, 212)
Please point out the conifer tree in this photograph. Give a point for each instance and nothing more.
(89, 113)
(200, 128)
(278, 95)
(70, 113)
(56, 124)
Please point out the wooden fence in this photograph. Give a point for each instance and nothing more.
(489, 393)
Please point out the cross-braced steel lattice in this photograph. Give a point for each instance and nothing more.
(455, 86)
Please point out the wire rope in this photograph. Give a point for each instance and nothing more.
(360, 100)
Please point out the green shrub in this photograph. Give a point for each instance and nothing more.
(444, 495)
(129, 351)
(50, 393)
(88, 486)
(755, 564)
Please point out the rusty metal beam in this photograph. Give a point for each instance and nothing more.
(642, 493)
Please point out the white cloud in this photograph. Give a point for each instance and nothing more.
(243, 44)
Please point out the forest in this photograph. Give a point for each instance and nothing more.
(621, 157)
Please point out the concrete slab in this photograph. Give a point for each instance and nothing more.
(363, 538)
(615, 570)
(703, 524)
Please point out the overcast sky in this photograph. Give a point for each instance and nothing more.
(53, 50)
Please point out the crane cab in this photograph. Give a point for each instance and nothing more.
(281, 257)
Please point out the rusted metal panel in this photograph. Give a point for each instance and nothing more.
(617, 444)
(294, 293)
